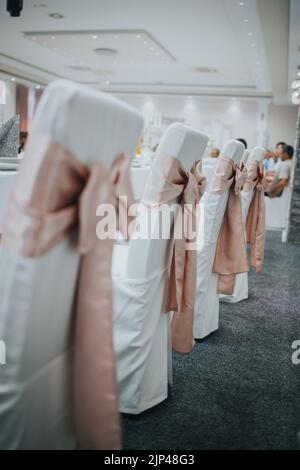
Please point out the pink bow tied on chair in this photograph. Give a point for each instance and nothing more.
(167, 182)
(231, 256)
(56, 194)
(255, 225)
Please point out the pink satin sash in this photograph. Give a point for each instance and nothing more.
(55, 193)
(255, 225)
(231, 256)
(169, 180)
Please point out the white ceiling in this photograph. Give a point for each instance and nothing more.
(191, 46)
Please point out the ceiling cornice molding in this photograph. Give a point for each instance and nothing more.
(202, 94)
(8, 63)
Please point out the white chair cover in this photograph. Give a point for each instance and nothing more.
(245, 157)
(213, 208)
(241, 280)
(36, 294)
(208, 169)
(141, 327)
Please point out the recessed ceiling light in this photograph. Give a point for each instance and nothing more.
(13, 79)
(94, 36)
(246, 20)
(56, 16)
(53, 37)
(79, 68)
(250, 34)
(107, 82)
(242, 4)
(138, 36)
(205, 69)
(298, 74)
(105, 51)
(38, 87)
(253, 45)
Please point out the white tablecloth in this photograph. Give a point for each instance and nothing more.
(139, 176)
(6, 181)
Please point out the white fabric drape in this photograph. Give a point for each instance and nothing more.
(212, 208)
(140, 332)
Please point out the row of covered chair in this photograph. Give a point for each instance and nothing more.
(83, 345)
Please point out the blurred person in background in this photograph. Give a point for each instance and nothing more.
(284, 173)
(273, 166)
(267, 159)
(214, 153)
(243, 141)
(22, 141)
(275, 162)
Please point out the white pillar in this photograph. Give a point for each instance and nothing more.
(262, 134)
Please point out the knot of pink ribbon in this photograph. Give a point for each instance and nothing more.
(255, 224)
(256, 177)
(168, 182)
(240, 177)
(230, 257)
(105, 186)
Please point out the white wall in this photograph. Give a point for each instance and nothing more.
(282, 124)
(224, 118)
(220, 118)
(8, 109)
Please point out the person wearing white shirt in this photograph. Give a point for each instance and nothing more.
(284, 173)
(275, 162)
(268, 157)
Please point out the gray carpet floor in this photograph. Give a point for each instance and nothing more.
(239, 388)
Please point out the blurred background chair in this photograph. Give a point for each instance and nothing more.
(141, 327)
(211, 217)
(241, 280)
